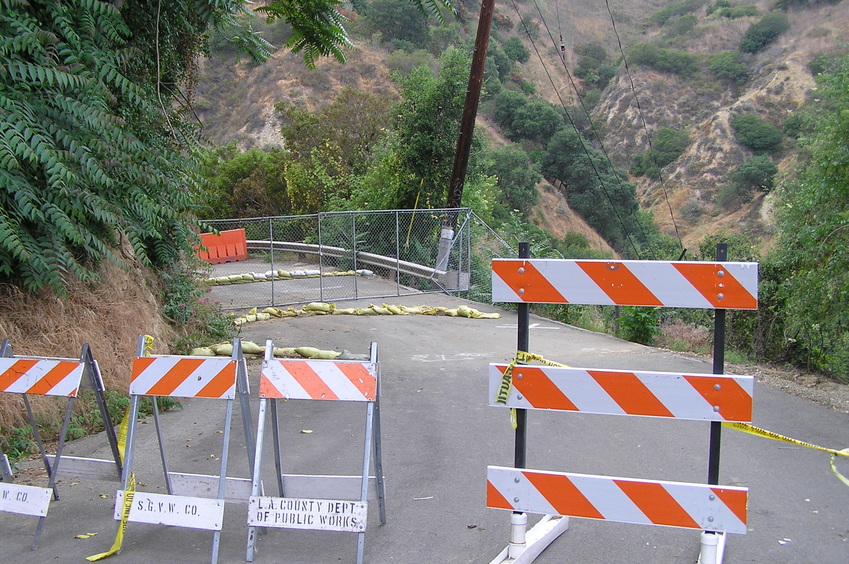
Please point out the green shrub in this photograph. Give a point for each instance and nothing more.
(668, 145)
(756, 134)
(639, 324)
(516, 50)
(756, 173)
(761, 34)
(678, 9)
(730, 65)
(666, 60)
(734, 12)
(731, 196)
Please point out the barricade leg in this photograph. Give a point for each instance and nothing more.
(525, 546)
(712, 549)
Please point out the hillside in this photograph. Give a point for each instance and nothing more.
(235, 102)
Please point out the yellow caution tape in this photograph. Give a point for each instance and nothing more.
(506, 382)
(758, 432)
(522, 357)
(118, 544)
(844, 452)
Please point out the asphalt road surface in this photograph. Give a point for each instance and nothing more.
(438, 436)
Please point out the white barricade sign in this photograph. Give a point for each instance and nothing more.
(314, 514)
(25, 500)
(174, 510)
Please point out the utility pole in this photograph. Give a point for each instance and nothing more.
(467, 127)
(470, 109)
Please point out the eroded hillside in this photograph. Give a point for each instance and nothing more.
(236, 102)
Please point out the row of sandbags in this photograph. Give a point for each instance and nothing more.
(322, 308)
(251, 348)
(280, 275)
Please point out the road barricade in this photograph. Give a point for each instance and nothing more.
(227, 246)
(192, 501)
(61, 378)
(314, 502)
(715, 398)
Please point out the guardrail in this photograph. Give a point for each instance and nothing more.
(372, 259)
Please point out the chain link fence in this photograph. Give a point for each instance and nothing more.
(336, 256)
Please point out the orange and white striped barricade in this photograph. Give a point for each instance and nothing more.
(58, 377)
(313, 502)
(714, 397)
(192, 501)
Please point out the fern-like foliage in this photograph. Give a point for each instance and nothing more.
(96, 146)
(92, 151)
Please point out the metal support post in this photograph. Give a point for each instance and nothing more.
(713, 542)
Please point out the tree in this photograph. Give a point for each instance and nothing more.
(516, 177)
(427, 126)
(97, 138)
(756, 173)
(730, 65)
(318, 27)
(244, 184)
(812, 254)
(516, 50)
(93, 150)
(599, 193)
(668, 145)
(394, 20)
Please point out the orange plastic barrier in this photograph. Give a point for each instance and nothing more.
(229, 246)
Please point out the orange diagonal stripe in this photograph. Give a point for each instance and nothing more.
(735, 404)
(267, 389)
(533, 383)
(14, 373)
(140, 364)
(360, 377)
(735, 500)
(315, 387)
(174, 377)
(705, 278)
(537, 289)
(619, 283)
(657, 504)
(494, 498)
(52, 377)
(630, 393)
(564, 497)
(220, 383)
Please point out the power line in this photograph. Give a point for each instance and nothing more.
(645, 125)
(574, 126)
(586, 112)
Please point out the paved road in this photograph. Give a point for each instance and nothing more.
(439, 435)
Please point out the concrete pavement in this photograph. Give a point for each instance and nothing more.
(439, 435)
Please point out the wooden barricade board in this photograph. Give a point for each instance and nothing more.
(624, 500)
(708, 285)
(700, 397)
(335, 503)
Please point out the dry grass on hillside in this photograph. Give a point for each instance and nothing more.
(109, 316)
